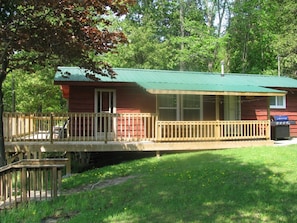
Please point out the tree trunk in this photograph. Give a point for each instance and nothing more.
(3, 73)
(2, 146)
(182, 34)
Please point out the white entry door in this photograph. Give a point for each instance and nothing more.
(105, 106)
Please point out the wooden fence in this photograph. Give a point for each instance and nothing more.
(28, 180)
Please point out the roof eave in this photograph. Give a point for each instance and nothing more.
(234, 93)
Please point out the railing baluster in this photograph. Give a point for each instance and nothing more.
(128, 127)
(22, 180)
(200, 130)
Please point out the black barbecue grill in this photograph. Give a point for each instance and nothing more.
(280, 127)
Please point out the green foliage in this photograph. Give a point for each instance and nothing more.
(144, 50)
(201, 50)
(34, 91)
(248, 35)
(170, 35)
(285, 44)
(252, 31)
(34, 32)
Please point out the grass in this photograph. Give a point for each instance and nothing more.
(235, 185)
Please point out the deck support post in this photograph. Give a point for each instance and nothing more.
(158, 154)
(68, 164)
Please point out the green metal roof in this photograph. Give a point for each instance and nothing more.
(164, 81)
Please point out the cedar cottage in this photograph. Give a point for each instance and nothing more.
(154, 110)
(183, 106)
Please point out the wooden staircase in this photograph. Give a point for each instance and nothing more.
(30, 179)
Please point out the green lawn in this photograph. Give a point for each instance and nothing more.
(234, 185)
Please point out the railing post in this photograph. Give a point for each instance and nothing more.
(54, 181)
(105, 128)
(217, 130)
(51, 127)
(24, 184)
(158, 130)
(268, 130)
(3, 188)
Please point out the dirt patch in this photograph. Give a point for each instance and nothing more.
(58, 216)
(98, 185)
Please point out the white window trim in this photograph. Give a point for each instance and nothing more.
(96, 98)
(279, 106)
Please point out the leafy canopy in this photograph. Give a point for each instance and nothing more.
(65, 31)
(69, 29)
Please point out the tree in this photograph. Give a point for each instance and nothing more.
(285, 44)
(66, 29)
(175, 35)
(33, 91)
(252, 30)
(145, 50)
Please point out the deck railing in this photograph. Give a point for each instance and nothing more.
(79, 127)
(125, 127)
(212, 130)
(28, 180)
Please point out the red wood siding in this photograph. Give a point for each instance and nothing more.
(135, 100)
(81, 99)
(129, 99)
(256, 109)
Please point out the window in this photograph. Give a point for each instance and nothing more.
(180, 107)
(278, 102)
(191, 107)
(167, 107)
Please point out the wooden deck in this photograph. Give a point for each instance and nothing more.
(30, 135)
(97, 132)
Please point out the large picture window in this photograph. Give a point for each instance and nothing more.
(278, 102)
(179, 107)
(167, 107)
(191, 107)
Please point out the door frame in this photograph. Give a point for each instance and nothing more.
(101, 134)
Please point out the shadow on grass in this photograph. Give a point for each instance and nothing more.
(195, 187)
(206, 188)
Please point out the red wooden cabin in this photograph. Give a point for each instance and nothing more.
(176, 97)
(154, 110)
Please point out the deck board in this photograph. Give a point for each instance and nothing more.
(93, 146)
